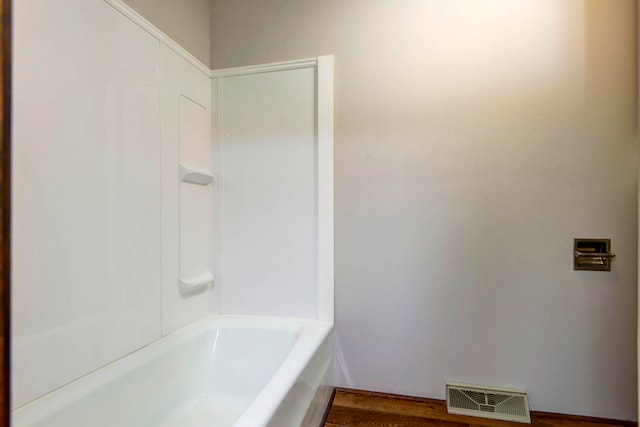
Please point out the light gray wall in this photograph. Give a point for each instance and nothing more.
(188, 22)
(474, 141)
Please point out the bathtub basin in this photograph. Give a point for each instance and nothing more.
(222, 371)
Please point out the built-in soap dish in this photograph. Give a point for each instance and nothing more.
(194, 176)
(195, 284)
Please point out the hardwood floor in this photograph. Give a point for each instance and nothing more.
(353, 408)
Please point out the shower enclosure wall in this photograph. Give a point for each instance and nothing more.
(150, 191)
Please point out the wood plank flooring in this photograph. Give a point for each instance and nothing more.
(356, 408)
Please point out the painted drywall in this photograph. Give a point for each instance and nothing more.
(474, 142)
(187, 22)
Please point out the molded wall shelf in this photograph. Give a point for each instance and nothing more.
(194, 284)
(194, 176)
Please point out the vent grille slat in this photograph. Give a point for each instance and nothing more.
(461, 400)
(496, 399)
(488, 402)
(514, 406)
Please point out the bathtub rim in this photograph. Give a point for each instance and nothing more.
(311, 333)
(268, 400)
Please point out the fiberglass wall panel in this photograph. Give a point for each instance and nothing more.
(86, 192)
(269, 193)
(187, 208)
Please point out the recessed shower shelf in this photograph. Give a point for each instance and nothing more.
(194, 176)
(196, 283)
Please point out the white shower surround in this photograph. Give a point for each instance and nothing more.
(176, 73)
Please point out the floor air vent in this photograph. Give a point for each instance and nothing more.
(488, 402)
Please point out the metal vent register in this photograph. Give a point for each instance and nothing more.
(488, 402)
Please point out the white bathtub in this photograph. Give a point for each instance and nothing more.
(221, 371)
